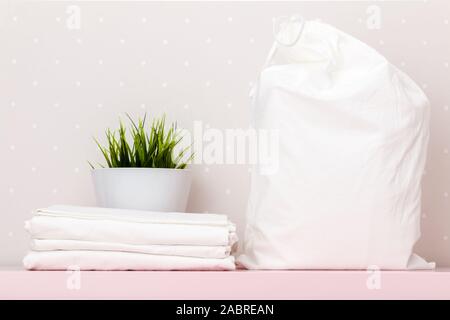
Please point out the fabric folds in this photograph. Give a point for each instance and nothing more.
(114, 239)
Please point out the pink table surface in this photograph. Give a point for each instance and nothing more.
(20, 284)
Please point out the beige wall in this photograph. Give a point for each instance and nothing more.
(193, 61)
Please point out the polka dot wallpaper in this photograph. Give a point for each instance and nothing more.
(68, 70)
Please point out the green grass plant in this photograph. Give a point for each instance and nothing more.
(140, 147)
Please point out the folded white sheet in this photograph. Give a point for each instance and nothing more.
(115, 239)
(111, 260)
(215, 252)
(57, 228)
(126, 215)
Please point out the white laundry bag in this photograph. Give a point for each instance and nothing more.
(353, 133)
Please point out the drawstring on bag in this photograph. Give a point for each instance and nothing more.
(280, 27)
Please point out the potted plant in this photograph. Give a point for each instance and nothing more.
(143, 170)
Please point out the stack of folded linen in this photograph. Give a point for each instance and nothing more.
(91, 238)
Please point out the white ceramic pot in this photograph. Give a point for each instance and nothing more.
(153, 189)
